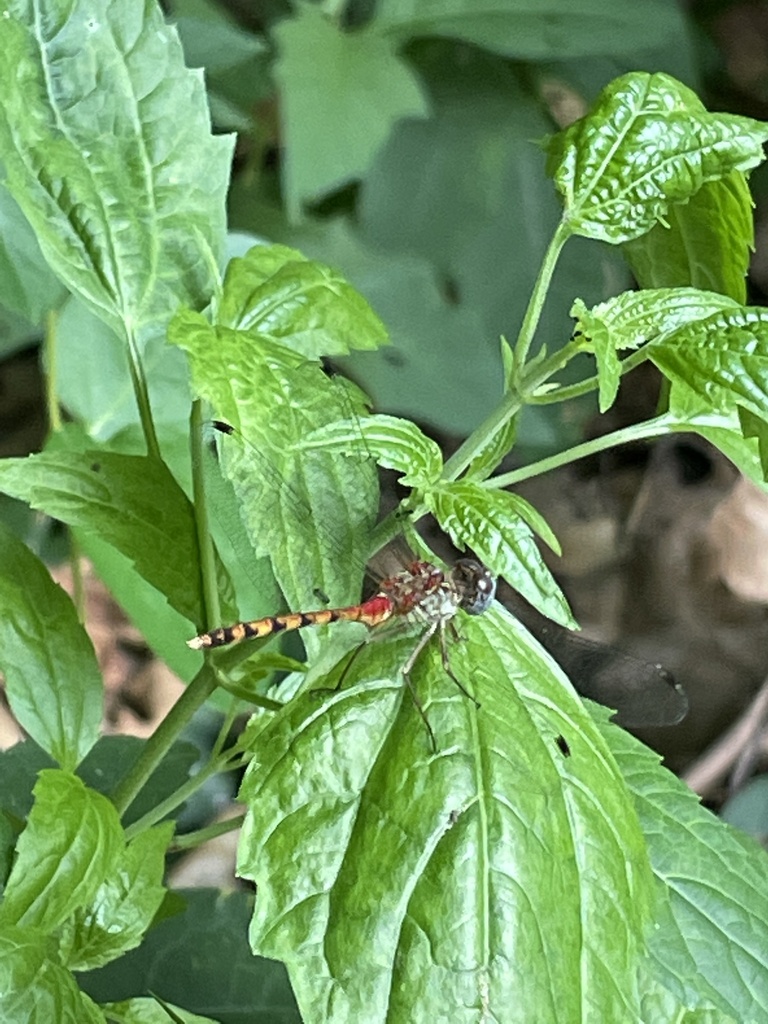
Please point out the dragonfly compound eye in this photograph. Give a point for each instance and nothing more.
(476, 585)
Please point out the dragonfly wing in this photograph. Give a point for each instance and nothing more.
(642, 694)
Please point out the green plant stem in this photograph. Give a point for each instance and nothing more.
(204, 683)
(51, 398)
(226, 728)
(202, 835)
(141, 391)
(638, 432)
(214, 766)
(539, 294)
(589, 384)
(513, 401)
(538, 374)
(158, 744)
(208, 587)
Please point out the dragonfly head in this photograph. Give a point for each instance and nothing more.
(475, 584)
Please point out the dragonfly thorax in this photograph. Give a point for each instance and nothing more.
(411, 587)
(438, 595)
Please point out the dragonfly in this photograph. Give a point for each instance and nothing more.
(641, 693)
(421, 592)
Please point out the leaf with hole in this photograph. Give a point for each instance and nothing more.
(395, 882)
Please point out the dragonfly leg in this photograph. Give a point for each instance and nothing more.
(457, 636)
(347, 667)
(420, 708)
(406, 670)
(447, 666)
(320, 690)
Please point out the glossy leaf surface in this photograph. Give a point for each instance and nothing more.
(632, 318)
(712, 903)
(395, 443)
(722, 360)
(494, 877)
(70, 844)
(278, 292)
(52, 677)
(647, 143)
(706, 243)
(135, 226)
(495, 525)
(118, 497)
(34, 987)
(122, 908)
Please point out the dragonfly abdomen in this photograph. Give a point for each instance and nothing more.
(371, 612)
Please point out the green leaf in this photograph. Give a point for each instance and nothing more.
(8, 834)
(646, 144)
(659, 1006)
(706, 243)
(280, 293)
(395, 443)
(118, 498)
(551, 30)
(632, 318)
(212, 39)
(710, 946)
(52, 677)
(311, 512)
(124, 905)
(497, 526)
(722, 360)
(604, 345)
(495, 873)
(71, 843)
(34, 987)
(27, 285)
(135, 226)
(340, 95)
(752, 427)
(164, 629)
